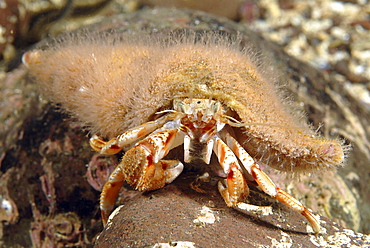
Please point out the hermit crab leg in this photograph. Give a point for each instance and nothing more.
(209, 147)
(143, 168)
(234, 189)
(110, 192)
(115, 145)
(187, 142)
(271, 189)
(266, 184)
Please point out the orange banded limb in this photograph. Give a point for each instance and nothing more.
(270, 188)
(143, 168)
(234, 188)
(104, 147)
(266, 183)
(110, 192)
(115, 145)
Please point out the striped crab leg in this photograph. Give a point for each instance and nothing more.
(115, 145)
(143, 168)
(234, 188)
(267, 185)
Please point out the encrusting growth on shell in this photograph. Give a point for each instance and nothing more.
(112, 83)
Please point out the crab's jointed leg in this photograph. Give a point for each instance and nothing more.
(271, 189)
(110, 192)
(266, 184)
(143, 168)
(115, 145)
(234, 188)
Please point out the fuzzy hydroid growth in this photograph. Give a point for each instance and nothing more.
(115, 82)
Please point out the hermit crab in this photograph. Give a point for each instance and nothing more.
(151, 93)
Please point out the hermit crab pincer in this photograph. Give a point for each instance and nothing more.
(149, 94)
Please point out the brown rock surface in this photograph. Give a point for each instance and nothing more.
(178, 213)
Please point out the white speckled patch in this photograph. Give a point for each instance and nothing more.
(284, 242)
(345, 238)
(207, 217)
(177, 244)
(260, 210)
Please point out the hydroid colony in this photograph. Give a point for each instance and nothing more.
(115, 83)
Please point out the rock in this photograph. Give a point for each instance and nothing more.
(230, 9)
(177, 213)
